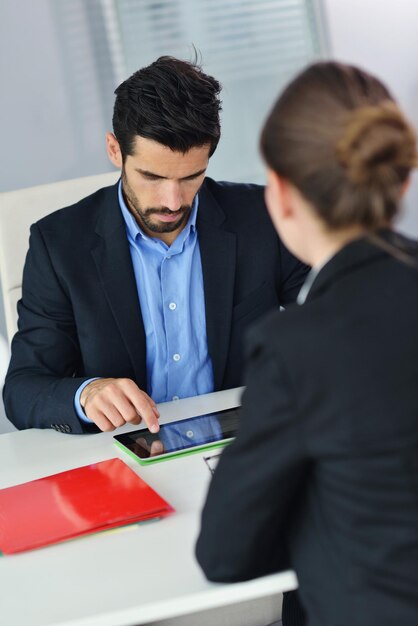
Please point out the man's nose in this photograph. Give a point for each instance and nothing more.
(172, 197)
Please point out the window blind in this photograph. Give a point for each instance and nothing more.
(251, 46)
(238, 38)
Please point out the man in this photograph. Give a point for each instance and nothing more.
(141, 292)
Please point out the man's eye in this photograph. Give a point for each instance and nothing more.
(150, 177)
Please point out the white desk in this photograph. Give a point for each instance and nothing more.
(136, 575)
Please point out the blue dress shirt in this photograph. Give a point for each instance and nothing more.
(169, 280)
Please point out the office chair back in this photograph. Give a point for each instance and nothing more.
(18, 210)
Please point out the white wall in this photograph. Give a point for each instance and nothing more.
(54, 119)
(382, 36)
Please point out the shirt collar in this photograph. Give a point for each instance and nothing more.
(309, 281)
(306, 287)
(134, 230)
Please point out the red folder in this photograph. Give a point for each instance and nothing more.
(77, 502)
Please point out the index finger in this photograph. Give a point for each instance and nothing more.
(144, 406)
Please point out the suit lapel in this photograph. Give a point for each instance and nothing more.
(218, 254)
(113, 261)
(351, 258)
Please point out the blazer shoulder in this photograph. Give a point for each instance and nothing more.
(80, 213)
(225, 191)
(242, 204)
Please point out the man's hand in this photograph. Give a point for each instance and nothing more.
(113, 402)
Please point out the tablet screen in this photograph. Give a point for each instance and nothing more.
(182, 435)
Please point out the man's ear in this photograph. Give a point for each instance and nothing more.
(113, 150)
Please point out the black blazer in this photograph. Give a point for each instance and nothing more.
(323, 475)
(80, 317)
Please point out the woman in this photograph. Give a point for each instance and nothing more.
(323, 476)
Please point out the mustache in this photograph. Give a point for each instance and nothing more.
(166, 211)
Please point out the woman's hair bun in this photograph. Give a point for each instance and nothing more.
(378, 146)
(339, 137)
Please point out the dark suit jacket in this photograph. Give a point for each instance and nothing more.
(323, 475)
(80, 316)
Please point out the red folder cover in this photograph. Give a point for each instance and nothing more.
(76, 502)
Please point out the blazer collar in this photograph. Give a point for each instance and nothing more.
(218, 256)
(354, 255)
(112, 258)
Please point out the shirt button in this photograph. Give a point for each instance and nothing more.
(172, 306)
(176, 357)
(168, 256)
(189, 434)
(175, 398)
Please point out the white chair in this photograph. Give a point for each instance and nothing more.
(5, 425)
(18, 210)
(4, 360)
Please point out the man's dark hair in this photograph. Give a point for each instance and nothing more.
(172, 102)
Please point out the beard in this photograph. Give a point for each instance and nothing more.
(144, 216)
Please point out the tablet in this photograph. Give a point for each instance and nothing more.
(187, 436)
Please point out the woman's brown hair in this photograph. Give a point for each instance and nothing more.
(337, 134)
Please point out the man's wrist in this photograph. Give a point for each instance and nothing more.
(79, 408)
